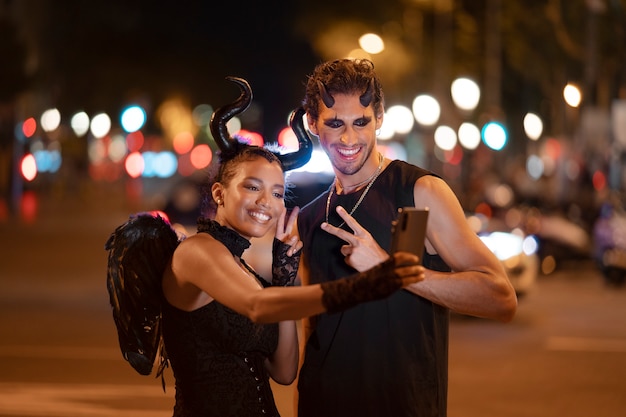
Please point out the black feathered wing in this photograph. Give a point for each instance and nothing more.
(139, 251)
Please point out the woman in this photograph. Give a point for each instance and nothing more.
(226, 330)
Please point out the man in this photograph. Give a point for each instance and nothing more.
(388, 357)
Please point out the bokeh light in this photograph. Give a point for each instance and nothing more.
(572, 95)
(134, 165)
(80, 123)
(100, 125)
(494, 135)
(465, 93)
(133, 118)
(28, 167)
(288, 140)
(400, 118)
(371, 43)
(29, 127)
(469, 135)
(426, 110)
(533, 126)
(183, 142)
(534, 167)
(50, 120)
(201, 156)
(445, 138)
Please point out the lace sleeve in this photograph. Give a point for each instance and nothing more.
(284, 267)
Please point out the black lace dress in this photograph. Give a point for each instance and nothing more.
(217, 354)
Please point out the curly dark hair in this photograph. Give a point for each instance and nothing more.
(342, 76)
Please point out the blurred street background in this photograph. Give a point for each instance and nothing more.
(519, 106)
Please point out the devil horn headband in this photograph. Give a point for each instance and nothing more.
(329, 101)
(224, 141)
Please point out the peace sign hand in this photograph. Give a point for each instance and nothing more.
(362, 252)
(286, 232)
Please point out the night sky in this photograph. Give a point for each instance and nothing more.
(97, 55)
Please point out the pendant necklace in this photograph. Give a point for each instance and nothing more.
(367, 188)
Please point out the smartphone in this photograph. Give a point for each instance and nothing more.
(408, 231)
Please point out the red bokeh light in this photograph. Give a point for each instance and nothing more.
(29, 127)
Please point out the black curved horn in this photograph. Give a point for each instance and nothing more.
(222, 115)
(366, 97)
(300, 157)
(329, 101)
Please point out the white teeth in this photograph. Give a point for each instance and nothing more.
(348, 152)
(260, 216)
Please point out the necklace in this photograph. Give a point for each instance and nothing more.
(367, 188)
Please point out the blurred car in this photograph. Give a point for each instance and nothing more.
(518, 256)
(609, 244)
(517, 252)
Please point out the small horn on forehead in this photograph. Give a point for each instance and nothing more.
(329, 101)
(368, 95)
(222, 115)
(300, 157)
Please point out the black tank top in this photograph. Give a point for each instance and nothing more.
(381, 358)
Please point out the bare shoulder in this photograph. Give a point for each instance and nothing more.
(432, 191)
(199, 248)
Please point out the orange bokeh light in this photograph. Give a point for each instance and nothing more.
(183, 142)
(201, 156)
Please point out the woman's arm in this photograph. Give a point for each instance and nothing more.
(282, 365)
(204, 269)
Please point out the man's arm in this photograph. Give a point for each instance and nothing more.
(478, 284)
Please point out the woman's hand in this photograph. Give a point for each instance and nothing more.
(286, 251)
(286, 232)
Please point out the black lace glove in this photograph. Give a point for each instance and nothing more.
(284, 268)
(374, 284)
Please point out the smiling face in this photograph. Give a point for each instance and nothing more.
(347, 132)
(253, 199)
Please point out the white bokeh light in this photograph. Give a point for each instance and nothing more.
(533, 126)
(465, 93)
(50, 120)
(572, 95)
(401, 118)
(100, 125)
(426, 110)
(80, 123)
(469, 135)
(371, 43)
(445, 138)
